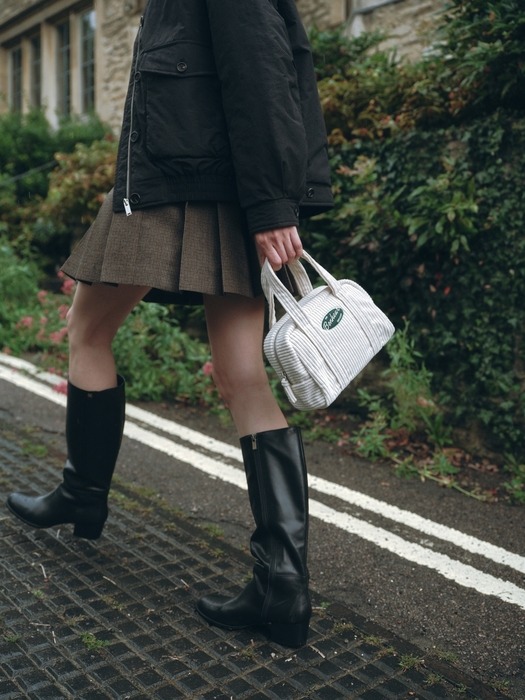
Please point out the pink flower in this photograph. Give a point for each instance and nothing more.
(207, 368)
(42, 296)
(58, 336)
(62, 311)
(25, 322)
(68, 287)
(61, 388)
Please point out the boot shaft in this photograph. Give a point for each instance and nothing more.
(278, 594)
(278, 488)
(94, 429)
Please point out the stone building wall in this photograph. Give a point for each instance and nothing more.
(115, 44)
(323, 13)
(8, 8)
(410, 25)
(407, 22)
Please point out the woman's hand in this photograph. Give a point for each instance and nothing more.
(281, 246)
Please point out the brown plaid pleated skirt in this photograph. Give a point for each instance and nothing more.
(181, 251)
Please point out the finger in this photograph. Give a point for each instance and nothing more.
(297, 243)
(295, 247)
(266, 251)
(276, 259)
(281, 246)
(291, 245)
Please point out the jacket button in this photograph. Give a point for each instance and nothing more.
(182, 66)
(135, 198)
(134, 136)
(296, 210)
(137, 76)
(310, 192)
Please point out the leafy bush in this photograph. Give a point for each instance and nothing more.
(158, 359)
(77, 188)
(18, 290)
(484, 52)
(28, 152)
(161, 360)
(429, 180)
(28, 146)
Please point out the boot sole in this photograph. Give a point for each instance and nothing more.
(293, 635)
(86, 531)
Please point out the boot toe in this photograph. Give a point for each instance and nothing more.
(221, 611)
(41, 511)
(22, 507)
(211, 607)
(244, 610)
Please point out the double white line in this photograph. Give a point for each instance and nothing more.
(25, 375)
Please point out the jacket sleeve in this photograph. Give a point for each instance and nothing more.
(261, 103)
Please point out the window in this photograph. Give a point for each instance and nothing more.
(50, 64)
(36, 70)
(16, 79)
(63, 69)
(87, 61)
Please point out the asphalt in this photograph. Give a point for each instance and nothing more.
(115, 618)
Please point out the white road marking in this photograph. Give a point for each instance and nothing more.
(424, 525)
(462, 574)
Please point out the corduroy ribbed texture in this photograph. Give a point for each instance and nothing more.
(324, 339)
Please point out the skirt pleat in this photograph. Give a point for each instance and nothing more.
(181, 251)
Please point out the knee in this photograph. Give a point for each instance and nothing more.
(74, 331)
(82, 333)
(232, 382)
(71, 323)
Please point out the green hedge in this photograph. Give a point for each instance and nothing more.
(429, 175)
(29, 153)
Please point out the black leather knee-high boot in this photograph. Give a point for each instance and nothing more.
(278, 595)
(94, 427)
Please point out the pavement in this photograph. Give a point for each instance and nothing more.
(115, 618)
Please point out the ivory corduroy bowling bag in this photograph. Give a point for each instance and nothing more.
(325, 338)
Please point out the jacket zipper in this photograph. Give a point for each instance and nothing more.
(127, 205)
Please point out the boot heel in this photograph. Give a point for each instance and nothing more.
(89, 531)
(289, 635)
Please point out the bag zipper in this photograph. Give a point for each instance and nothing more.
(285, 382)
(127, 205)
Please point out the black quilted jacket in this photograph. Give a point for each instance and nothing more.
(223, 105)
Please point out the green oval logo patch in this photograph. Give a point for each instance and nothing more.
(332, 319)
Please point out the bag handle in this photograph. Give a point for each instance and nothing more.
(274, 288)
(322, 272)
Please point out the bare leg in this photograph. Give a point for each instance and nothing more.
(235, 330)
(97, 313)
(94, 418)
(276, 476)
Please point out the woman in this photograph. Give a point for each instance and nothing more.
(222, 148)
